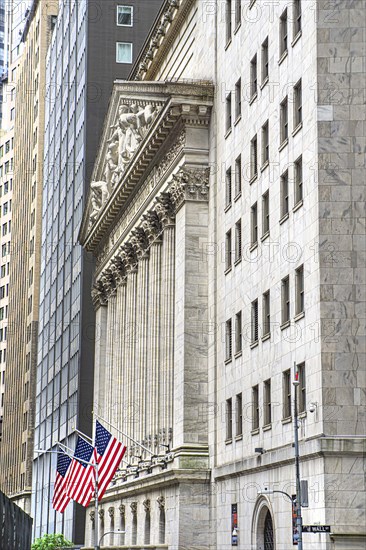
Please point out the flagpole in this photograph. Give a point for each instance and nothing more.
(96, 530)
(123, 433)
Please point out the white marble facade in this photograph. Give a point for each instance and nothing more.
(157, 222)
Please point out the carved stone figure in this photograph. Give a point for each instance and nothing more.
(99, 196)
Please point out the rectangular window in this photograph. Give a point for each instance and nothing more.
(254, 157)
(283, 33)
(297, 104)
(285, 298)
(286, 385)
(284, 194)
(238, 99)
(238, 176)
(266, 311)
(301, 396)
(239, 415)
(228, 21)
(265, 60)
(238, 249)
(124, 52)
(297, 17)
(265, 214)
(228, 187)
(228, 339)
(253, 76)
(255, 407)
(284, 120)
(125, 16)
(237, 12)
(298, 181)
(254, 324)
(229, 419)
(254, 224)
(228, 112)
(228, 250)
(267, 403)
(265, 143)
(238, 332)
(299, 284)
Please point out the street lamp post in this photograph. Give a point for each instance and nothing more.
(297, 460)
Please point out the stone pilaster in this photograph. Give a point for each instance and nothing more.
(100, 304)
(190, 195)
(118, 357)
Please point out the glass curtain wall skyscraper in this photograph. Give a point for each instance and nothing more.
(84, 58)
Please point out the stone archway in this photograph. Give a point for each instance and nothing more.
(263, 531)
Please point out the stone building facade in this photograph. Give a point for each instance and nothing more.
(229, 237)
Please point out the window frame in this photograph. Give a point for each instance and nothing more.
(283, 33)
(297, 16)
(284, 120)
(298, 182)
(255, 407)
(238, 99)
(254, 322)
(265, 143)
(238, 240)
(229, 116)
(228, 339)
(228, 187)
(254, 224)
(254, 157)
(299, 291)
(297, 104)
(285, 300)
(228, 250)
(265, 60)
(238, 176)
(284, 194)
(265, 214)
(267, 403)
(131, 50)
(238, 332)
(253, 77)
(229, 419)
(239, 415)
(266, 313)
(301, 388)
(286, 394)
(117, 15)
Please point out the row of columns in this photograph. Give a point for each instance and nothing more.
(144, 310)
(137, 292)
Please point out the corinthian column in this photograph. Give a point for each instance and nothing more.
(108, 373)
(129, 343)
(165, 211)
(100, 302)
(152, 228)
(141, 243)
(118, 355)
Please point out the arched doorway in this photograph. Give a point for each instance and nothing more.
(263, 532)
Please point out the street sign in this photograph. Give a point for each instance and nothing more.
(316, 528)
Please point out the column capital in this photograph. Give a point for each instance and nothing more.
(164, 208)
(118, 270)
(129, 257)
(190, 184)
(133, 507)
(99, 295)
(141, 243)
(152, 226)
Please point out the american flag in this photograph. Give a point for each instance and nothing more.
(109, 453)
(80, 480)
(60, 499)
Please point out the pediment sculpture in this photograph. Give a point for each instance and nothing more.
(132, 124)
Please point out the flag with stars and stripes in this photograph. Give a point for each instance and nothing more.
(80, 480)
(108, 454)
(60, 499)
